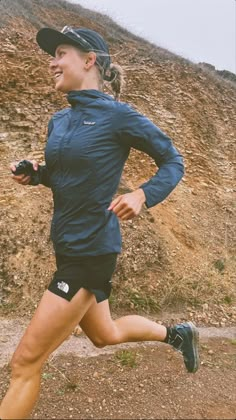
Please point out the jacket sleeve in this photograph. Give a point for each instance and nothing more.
(43, 174)
(44, 177)
(137, 131)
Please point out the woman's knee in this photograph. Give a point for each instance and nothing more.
(107, 338)
(24, 362)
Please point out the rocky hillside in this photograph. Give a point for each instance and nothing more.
(180, 253)
(223, 73)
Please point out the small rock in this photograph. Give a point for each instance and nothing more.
(77, 331)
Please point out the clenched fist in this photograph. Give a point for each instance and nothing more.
(127, 206)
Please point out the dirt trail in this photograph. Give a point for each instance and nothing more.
(12, 330)
(144, 380)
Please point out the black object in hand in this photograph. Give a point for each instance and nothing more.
(26, 167)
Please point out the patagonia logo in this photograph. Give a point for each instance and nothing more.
(89, 122)
(63, 286)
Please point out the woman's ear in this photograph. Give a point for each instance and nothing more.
(90, 60)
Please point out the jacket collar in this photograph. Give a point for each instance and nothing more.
(84, 97)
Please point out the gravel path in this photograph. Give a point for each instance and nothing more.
(12, 330)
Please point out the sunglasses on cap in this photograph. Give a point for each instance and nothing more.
(85, 44)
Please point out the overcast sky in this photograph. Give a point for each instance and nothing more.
(200, 30)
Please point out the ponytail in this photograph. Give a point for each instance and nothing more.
(116, 79)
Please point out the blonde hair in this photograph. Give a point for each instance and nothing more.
(115, 77)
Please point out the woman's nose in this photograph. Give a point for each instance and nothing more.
(53, 64)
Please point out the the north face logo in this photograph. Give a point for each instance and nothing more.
(63, 286)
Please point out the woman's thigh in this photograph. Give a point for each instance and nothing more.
(54, 319)
(98, 324)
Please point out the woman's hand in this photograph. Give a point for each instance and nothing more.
(129, 205)
(23, 179)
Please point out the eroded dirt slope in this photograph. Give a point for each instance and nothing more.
(180, 253)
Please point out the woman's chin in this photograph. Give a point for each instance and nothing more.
(61, 88)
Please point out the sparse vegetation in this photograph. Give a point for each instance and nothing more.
(127, 358)
(142, 301)
(219, 265)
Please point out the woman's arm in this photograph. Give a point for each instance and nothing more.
(37, 174)
(44, 177)
(137, 131)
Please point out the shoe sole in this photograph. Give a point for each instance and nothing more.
(195, 342)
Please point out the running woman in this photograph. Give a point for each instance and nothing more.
(88, 144)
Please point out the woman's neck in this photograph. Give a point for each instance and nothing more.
(90, 82)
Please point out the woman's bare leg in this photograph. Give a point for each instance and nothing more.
(102, 330)
(53, 321)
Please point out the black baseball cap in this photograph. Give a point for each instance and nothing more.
(86, 39)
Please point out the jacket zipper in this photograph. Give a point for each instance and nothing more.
(60, 157)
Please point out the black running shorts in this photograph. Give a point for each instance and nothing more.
(91, 272)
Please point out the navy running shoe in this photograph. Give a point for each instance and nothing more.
(184, 338)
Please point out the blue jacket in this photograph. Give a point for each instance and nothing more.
(86, 150)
